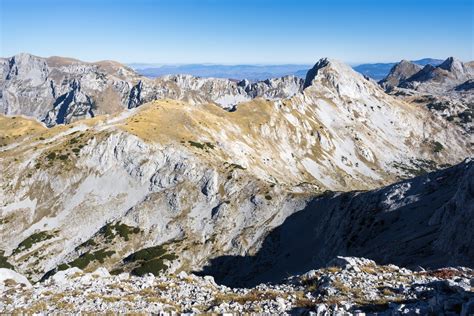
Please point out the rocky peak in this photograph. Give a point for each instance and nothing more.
(440, 79)
(25, 66)
(453, 65)
(400, 72)
(313, 72)
(426, 73)
(331, 78)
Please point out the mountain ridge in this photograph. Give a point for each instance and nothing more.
(105, 172)
(181, 171)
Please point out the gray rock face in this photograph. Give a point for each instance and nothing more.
(419, 222)
(59, 90)
(444, 77)
(313, 72)
(468, 85)
(445, 89)
(399, 73)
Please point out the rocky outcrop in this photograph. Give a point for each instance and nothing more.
(73, 104)
(466, 86)
(10, 278)
(419, 222)
(399, 73)
(444, 89)
(59, 90)
(443, 77)
(349, 286)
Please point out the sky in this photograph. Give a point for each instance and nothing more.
(238, 31)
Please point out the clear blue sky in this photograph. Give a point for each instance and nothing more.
(240, 31)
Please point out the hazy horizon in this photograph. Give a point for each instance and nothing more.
(177, 64)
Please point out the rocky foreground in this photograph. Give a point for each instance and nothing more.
(347, 285)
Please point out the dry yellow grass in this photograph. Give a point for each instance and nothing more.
(333, 269)
(171, 120)
(252, 296)
(17, 128)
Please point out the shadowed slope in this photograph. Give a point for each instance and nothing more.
(423, 221)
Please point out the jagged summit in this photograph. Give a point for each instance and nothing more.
(326, 65)
(445, 89)
(453, 65)
(330, 77)
(400, 72)
(447, 75)
(108, 87)
(313, 72)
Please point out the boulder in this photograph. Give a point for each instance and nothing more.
(7, 274)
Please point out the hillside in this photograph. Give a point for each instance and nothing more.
(446, 90)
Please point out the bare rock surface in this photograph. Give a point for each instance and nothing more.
(349, 285)
(446, 89)
(60, 90)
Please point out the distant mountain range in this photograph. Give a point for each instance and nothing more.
(238, 72)
(376, 71)
(379, 71)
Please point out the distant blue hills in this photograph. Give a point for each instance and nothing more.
(238, 72)
(376, 71)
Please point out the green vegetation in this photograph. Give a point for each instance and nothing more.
(417, 167)
(33, 239)
(116, 271)
(437, 147)
(196, 144)
(3, 261)
(146, 254)
(150, 260)
(201, 146)
(122, 230)
(63, 266)
(209, 145)
(87, 243)
(4, 221)
(51, 156)
(268, 197)
(154, 266)
(86, 258)
(73, 146)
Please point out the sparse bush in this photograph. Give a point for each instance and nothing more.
(83, 261)
(437, 147)
(3, 261)
(33, 239)
(122, 230)
(150, 260)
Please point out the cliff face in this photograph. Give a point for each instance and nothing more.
(59, 90)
